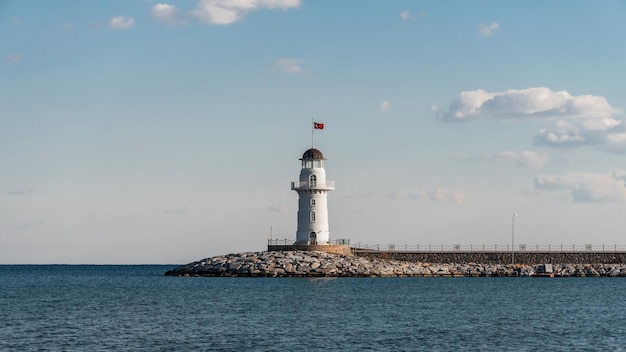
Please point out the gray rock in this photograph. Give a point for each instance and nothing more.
(314, 264)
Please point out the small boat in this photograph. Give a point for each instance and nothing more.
(543, 270)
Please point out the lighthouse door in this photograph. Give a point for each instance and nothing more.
(312, 238)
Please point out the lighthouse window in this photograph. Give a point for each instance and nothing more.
(312, 202)
(312, 216)
(312, 181)
(317, 163)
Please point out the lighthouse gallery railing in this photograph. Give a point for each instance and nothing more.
(307, 185)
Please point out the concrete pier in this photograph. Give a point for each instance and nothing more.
(343, 249)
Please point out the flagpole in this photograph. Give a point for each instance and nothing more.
(312, 133)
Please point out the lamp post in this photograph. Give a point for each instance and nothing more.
(513, 241)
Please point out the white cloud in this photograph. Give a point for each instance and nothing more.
(583, 119)
(14, 58)
(524, 158)
(466, 106)
(600, 124)
(487, 30)
(602, 133)
(614, 142)
(406, 15)
(560, 138)
(587, 187)
(440, 194)
(529, 102)
(532, 160)
(384, 106)
(223, 12)
(287, 65)
(443, 194)
(121, 22)
(167, 14)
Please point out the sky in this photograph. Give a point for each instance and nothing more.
(136, 131)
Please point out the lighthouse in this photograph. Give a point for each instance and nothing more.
(312, 189)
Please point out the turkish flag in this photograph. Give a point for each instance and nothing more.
(318, 126)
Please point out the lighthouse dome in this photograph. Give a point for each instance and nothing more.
(312, 154)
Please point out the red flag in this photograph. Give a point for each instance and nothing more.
(318, 126)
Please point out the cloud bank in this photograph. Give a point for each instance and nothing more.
(580, 120)
(224, 12)
(539, 102)
(587, 187)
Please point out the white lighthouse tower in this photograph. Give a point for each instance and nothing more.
(312, 190)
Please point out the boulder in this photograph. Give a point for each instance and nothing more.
(315, 264)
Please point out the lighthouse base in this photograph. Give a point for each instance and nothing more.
(328, 248)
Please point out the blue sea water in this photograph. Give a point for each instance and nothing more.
(136, 308)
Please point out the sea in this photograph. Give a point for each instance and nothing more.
(136, 308)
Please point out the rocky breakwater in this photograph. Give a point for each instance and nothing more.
(320, 264)
(589, 270)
